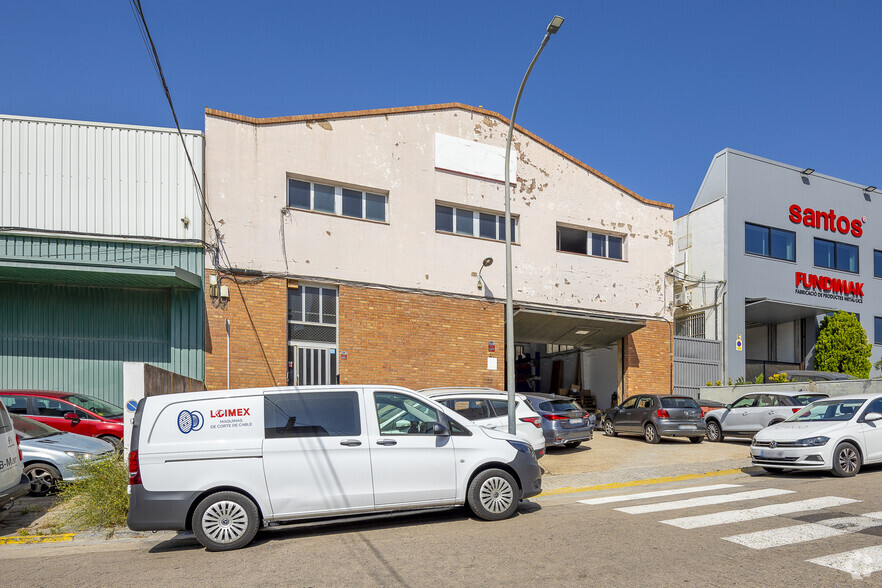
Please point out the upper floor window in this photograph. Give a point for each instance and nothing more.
(877, 263)
(769, 242)
(877, 330)
(835, 255)
(587, 243)
(336, 200)
(473, 223)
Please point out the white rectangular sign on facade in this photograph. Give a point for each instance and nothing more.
(473, 158)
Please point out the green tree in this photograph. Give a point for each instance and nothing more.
(843, 346)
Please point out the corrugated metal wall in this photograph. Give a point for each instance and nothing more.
(98, 179)
(696, 362)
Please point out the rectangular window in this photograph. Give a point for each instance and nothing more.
(835, 255)
(877, 263)
(322, 414)
(581, 241)
(312, 314)
(769, 242)
(336, 200)
(877, 330)
(472, 223)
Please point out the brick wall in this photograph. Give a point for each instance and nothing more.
(258, 335)
(418, 340)
(648, 360)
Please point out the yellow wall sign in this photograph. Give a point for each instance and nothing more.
(738, 344)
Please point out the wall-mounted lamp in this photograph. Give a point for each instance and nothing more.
(212, 285)
(808, 171)
(870, 189)
(186, 221)
(488, 261)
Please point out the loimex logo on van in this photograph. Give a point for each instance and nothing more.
(230, 412)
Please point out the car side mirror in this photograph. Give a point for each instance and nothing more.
(441, 430)
(872, 416)
(72, 417)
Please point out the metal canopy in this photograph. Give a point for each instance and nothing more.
(773, 312)
(535, 325)
(92, 275)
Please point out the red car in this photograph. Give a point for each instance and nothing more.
(76, 413)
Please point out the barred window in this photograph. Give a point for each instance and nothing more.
(312, 314)
(690, 326)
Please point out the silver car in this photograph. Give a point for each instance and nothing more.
(564, 422)
(50, 455)
(754, 412)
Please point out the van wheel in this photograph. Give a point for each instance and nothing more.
(43, 478)
(492, 495)
(224, 521)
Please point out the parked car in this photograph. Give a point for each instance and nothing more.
(13, 482)
(838, 434)
(51, 456)
(754, 412)
(655, 416)
(72, 413)
(488, 408)
(564, 422)
(813, 376)
(223, 463)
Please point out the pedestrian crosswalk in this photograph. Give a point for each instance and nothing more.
(860, 563)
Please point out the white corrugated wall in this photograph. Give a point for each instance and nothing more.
(70, 176)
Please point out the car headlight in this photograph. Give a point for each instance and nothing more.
(521, 446)
(812, 442)
(79, 454)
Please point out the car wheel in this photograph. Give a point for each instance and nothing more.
(714, 433)
(609, 429)
(224, 521)
(572, 444)
(492, 495)
(650, 433)
(846, 460)
(115, 441)
(696, 439)
(776, 421)
(43, 478)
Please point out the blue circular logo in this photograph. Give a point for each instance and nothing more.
(132, 405)
(190, 421)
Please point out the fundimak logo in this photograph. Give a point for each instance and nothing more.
(190, 421)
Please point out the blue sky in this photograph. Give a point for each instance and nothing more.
(645, 92)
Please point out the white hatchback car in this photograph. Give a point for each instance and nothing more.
(838, 434)
(488, 408)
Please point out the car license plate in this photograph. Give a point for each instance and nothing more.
(687, 426)
(771, 453)
(575, 421)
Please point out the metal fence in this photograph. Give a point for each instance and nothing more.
(696, 362)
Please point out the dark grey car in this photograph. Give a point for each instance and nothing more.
(655, 416)
(564, 422)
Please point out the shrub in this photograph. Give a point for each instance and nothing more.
(843, 346)
(759, 379)
(99, 499)
(778, 378)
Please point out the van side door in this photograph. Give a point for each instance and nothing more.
(412, 464)
(316, 454)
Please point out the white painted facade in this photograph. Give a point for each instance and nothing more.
(396, 153)
(98, 179)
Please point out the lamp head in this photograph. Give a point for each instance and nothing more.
(554, 25)
(488, 261)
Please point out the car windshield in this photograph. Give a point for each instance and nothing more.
(559, 406)
(806, 399)
(828, 410)
(96, 405)
(678, 402)
(28, 429)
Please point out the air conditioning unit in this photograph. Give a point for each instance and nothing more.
(682, 298)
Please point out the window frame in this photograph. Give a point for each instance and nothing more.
(877, 330)
(877, 263)
(339, 190)
(769, 231)
(590, 240)
(458, 212)
(836, 245)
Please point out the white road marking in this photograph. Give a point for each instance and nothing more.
(658, 494)
(704, 501)
(760, 512)
(860, 563)
(807, 531)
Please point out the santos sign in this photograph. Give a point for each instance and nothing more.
(826, 220)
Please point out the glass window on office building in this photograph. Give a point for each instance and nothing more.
(877, 328)
(877, 263)
(587, 243)
(769, 242)
(835, 255)
(473, 223)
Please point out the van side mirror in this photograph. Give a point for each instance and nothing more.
(728, 407)
(72, 417)
(872, 416)
(442, 430)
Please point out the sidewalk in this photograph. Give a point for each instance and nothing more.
(608, 460)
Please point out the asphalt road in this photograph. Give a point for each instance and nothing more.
(758, 530)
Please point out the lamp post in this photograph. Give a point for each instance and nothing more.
(553, 27)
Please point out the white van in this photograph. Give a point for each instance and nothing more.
(225, 463)
(13, 482)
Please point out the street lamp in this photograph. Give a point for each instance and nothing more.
(553, 27)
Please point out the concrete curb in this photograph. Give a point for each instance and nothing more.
(30, 539)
